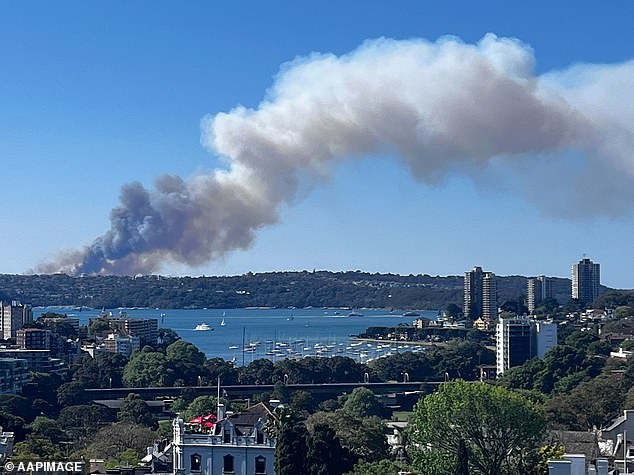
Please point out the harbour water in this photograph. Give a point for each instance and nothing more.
(252, 333)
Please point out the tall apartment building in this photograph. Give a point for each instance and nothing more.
(539, 289)
(144, 328)
(33, 339)
(480, 295)
(586, 280)
(520, 339)
(12, 317)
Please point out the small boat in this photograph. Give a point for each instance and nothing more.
(355, 314)
(202, 327)
(411, 314)
(222, 324)
(233, 347)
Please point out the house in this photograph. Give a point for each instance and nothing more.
(616, 441)
(624, 354)
(421, 323)
(614, 338)
(6, 444)
(483, 324)
(236, 444)
(576, 442)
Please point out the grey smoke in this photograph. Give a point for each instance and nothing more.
(441, 107)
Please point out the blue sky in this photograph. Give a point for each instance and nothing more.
(97, 94)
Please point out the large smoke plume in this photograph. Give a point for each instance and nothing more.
(441, 107)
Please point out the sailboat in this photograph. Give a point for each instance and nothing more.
(222, 323)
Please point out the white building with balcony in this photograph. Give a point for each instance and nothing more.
(237, 444)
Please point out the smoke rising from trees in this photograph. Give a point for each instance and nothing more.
(441, 107)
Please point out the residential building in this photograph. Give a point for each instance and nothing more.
(617, 443)
(124, 345)
(482, 324)
(38, 361)
(489, 297)
(93, 349)
(14, 373)
(545, 337)
(236, 444)
(13, 316)
(586, 280)
(144, 328)
(519, 339)
(480, 295)
(33, 339)
(421, 322)
(538, 289)
(53, 322)
(6, 445)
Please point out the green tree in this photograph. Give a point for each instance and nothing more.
(79, 421)
(36, 448)
(363, 437)
(103, 371)
(623, 311)
(363, 403)
(110, 441)
(71, 394)
(291, 446)
(136, 411)
(453, 311)
(325, 454)
(42, 386)
(201, 406)
(303, 402)
(186, 361)
(147, 369)
(588, 405)
(13, 423)
(47, 428)
(219, 368)
(98, 325)
(127, 458)
(501, 429)
(259, 371)
(18, 406)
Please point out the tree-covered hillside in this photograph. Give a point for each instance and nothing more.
(272, 289)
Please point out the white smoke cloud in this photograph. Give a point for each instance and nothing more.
(441, 107)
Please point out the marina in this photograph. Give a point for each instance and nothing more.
(252, 333)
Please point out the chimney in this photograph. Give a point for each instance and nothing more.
(578, 463)
(221, 411)
(602, 467)
(559, 467)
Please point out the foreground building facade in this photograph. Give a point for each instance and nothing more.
(237, 444)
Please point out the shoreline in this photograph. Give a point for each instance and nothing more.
(429, 344)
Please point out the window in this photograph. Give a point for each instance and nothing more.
(259, 437)
(227, 464)
(195, 463)
(227, 436)
(260, 465)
